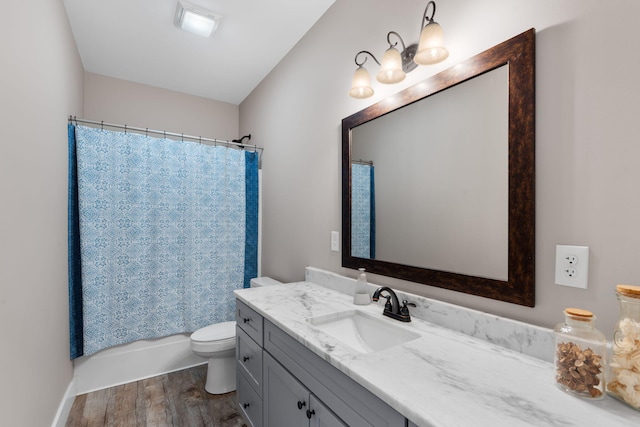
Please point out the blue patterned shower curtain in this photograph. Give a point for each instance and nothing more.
(363, 219)
(165, 231)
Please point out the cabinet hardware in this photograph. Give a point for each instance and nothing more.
(310, 413)
(246, 320)
(301, 403)
(245, 405)
(245, 358)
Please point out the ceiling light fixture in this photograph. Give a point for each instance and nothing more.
(195, 19)
(395, 64)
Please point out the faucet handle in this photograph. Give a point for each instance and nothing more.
(404, 310)
(387, 305)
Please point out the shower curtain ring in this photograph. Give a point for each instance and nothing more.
(102, 125)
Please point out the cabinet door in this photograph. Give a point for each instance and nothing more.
(285, 400)
(321, 416)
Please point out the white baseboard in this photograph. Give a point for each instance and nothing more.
(132, 362)
(65, 406)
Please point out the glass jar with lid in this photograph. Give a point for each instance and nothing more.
(623, 379)
(580, 356)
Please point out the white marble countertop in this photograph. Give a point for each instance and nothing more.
(443, 378)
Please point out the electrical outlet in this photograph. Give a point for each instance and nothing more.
(571, 259)
(572, 266)
(570, 272)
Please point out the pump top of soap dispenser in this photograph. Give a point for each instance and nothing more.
(361, 296)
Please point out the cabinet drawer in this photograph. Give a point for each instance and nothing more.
(249, 359)
(249, 321)
(249, 402)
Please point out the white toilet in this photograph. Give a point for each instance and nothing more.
(217, 343)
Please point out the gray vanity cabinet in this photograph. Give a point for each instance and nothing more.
(282, 383)
(289, 403)
(249, 364)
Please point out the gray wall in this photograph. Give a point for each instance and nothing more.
(41, 85)
(123, 102)
(587, 153)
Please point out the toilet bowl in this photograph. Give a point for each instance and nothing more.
(217, 343)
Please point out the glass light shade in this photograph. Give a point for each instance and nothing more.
(195, 20)
(197, 24)
(431, 48)
(391, 68)
(361, 84)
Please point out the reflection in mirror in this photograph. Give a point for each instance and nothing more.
(453, 202)
(363, 210)
(457, 191)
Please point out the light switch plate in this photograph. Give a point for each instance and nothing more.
(335, 241)
(572, 266)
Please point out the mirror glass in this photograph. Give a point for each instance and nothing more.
(457, 192)
(432, 192)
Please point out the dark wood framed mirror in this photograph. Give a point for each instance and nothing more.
(514, 281)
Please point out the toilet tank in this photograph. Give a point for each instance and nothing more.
(263, 281)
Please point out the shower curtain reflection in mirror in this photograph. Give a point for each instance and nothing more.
(165, 231)
(363, 224)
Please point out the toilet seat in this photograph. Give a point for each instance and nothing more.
(214, 338)
(217, 331)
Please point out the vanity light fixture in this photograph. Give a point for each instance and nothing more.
(196, 19)
(395, 64)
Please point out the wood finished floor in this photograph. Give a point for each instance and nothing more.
(177, 399)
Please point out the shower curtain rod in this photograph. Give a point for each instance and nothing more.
(73, 119)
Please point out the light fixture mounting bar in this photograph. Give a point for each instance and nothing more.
(406, 54)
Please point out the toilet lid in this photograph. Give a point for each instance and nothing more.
(215, 332)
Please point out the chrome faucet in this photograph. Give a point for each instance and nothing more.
(392, 306)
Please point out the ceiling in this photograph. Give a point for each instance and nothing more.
(136, 40)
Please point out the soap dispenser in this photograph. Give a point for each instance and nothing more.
(361, 296)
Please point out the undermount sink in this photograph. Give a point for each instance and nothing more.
(362, 331)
